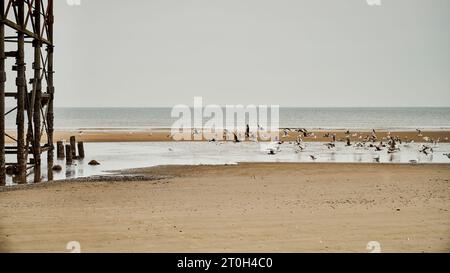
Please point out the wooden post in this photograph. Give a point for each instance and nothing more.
(50, 91)
(37, 94)
(80, 149)
(2, 96)
(60, 152)
(21, 85)
(27, 20)
(73, 147)
(68, 154)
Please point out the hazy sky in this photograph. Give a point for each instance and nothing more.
(288, 52)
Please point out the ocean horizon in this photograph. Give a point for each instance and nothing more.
(321, 118)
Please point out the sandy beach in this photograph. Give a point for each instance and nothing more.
(243, 208)
(122, 135)
(224, 127)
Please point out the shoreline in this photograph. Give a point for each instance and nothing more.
(317, 129)
(164, 135)
(161, 172)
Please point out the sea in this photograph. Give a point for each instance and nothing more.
(310, 118)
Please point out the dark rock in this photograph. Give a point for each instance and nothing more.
(12, 170)
(93, 163)
(57, 168)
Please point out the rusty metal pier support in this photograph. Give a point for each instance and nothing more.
(26, 26)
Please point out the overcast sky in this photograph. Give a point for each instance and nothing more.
(288, 52)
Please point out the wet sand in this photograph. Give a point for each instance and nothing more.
(244, 208)
(109, 135)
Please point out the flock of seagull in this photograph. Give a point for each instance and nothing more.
(392, 144)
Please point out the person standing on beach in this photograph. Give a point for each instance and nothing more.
(247, 132)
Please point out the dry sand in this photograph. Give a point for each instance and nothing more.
(244, 208)
(106, 135)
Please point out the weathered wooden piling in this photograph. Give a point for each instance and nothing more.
(2, 96)
(36, 96)
(73, 143)
(80, 149)
(50, 89)
(32, 24)
(21, 95)
(60, 150)
(69, 158)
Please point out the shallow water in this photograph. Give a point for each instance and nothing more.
(118, 156)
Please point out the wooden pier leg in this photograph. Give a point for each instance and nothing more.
(50, 91)
(68, 155)
(73, 143)
(21, 90)
(2, 96)
(80, 149)
(60, 150)
(37, 90)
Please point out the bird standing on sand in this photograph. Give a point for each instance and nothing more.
(348, 142)
(236, 139)
(419, 132)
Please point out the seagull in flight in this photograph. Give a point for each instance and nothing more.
(330, 145)
(299, 144)
(426, 150)
(274, 148)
